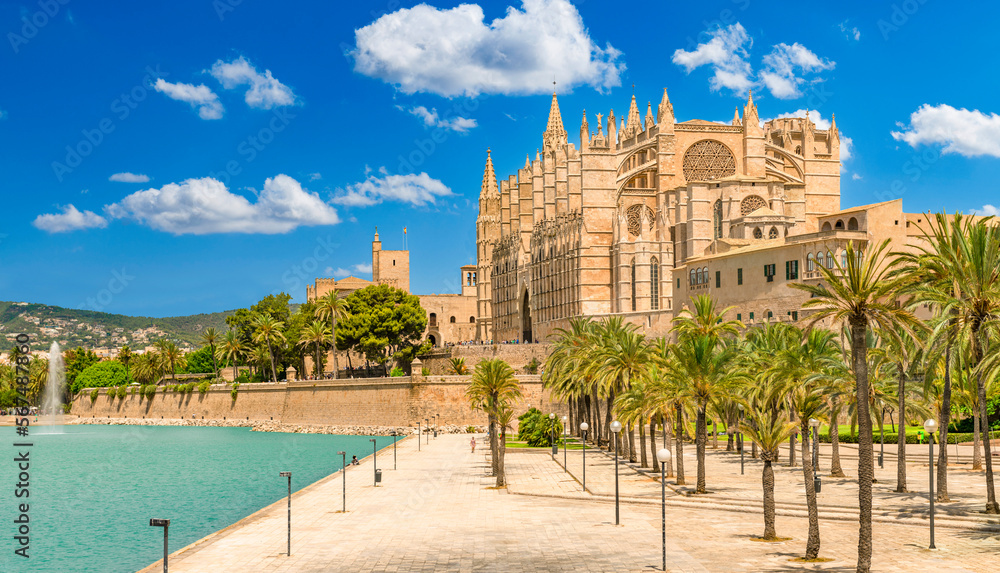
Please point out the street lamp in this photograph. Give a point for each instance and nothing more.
(739, 437)
(394, 435)
(343, 476)
(814, 424)
(663, 456)
(616, 427)
(374, 462)
(565, 420)
(165, 524)
(427, 422)
(930, 426)
(418, 435)
(583, 428)
(552, 434)
(289, 476)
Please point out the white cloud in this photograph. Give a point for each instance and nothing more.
(200, 97)
(782, 64)
(340, 272)
(315, 176)
(205, 206)
(71, 219)
(987, 211)
(415, 189)
(264, 91)
(969, 133)
(727, 53)
(431, 119)
(856, 177)
(127, 177)
(455, 52)
(852, 32)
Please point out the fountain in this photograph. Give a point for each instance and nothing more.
(52, 399)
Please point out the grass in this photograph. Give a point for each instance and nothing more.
(511, 443)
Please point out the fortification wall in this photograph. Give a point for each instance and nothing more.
(517, 355)
(371, 402)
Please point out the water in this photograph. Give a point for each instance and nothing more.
(52, 399)
(93, 489)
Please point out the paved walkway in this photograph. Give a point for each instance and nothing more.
(438, 513)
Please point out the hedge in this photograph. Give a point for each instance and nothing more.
(890, 438)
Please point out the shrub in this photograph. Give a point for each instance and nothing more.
(93, 395)
(537, 429)
(396, 372)
(890, 438)
(235, 391)
(425, 371)
(470, 430)
(67, 407)
(149, 391)
(122, 392)
(457, 366)
(203, 387)
(532, 367)
(99, 375)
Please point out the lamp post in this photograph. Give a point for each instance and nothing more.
(930, 426)
(289, 476)
(418, 435)
(583, 428)
(663, 456)
(428, 423)
(552, 434)
(616, 427)
(343, 477)
(739, 437)
(565, 420)
(165, 524)
(395, 437)
(374, 463)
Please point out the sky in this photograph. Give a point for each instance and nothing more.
(162, 159)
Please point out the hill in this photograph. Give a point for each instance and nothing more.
(74, 327)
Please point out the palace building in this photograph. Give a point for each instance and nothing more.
(649, 211)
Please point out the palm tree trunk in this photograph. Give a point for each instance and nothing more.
(977, 455)
(753, 450)
(667, 433)
(866, 466)
(215, 363)
(333, 333)
(715, 435)
(945, 415)
(812, 545)
(901, 434)
(595, 431)
(731, 424)
(494, 447)
(502, 450)
(588, 417)
(643, 462)
(791, 444)
(835, 469)
(679, 439)
(991, 495)
(607, 420)
(767, 477)
(652, 441)
(631, 443)
(700, 438)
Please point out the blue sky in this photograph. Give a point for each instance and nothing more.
(194, 156)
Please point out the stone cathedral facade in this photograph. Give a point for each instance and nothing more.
(630, 221)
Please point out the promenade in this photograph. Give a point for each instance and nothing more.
(438, 512)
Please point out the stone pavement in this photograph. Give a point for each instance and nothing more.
(438, 513)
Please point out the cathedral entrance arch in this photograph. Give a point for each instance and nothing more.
(526, 335)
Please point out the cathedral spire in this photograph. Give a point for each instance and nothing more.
(632, 127)
(736, 116)
(666, 109)
(489, 177)
(584, 132)
(750, 116)
(833, 126)
(650, 120)
(555, 133)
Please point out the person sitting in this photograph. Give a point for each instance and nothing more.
(354, 461)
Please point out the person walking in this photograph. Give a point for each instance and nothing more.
(473, 444)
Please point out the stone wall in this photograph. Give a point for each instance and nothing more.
(517, 355)
(370, 402)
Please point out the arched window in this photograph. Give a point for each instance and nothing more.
(452, 320)
(843, 258)
(758, 234)
(704, 275)
(654, 284)
(820, 259)
(717, 219)
(433, 320)
(633, 285)
(472, 319)
(852, 224)
(693, 276)
(827, 227)
(829, 259)
(839, 225)
(773, 234)
(810, 263)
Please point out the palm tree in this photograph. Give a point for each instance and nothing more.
(231, 349)
(492, 390)
(38, 376)
(458, 367)
(172, 356)
(268, 331)
(333, 307)
(125, 357)
(863, 295)
(147, 368)
(318, 335)
(624, 357)
(210, 338)
(900, 358)
(768, 432)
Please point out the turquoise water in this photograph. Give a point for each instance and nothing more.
(93, 489)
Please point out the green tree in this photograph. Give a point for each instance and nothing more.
(863, 295)
(493, 390)
(768, 432)
(173, 357)
(100, 375)
(268, 331)
(231, 349)
(76, 361)
(200, 361)
(125, 357)
(210, 338)
(317, 335)
(381, 321)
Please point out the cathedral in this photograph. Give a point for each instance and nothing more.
(650, 211)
